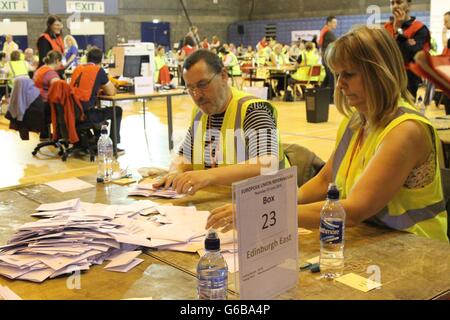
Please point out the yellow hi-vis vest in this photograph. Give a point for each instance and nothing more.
(419, 211)
(309, 58)
(232, 147)
(235, 67)
(17, 69)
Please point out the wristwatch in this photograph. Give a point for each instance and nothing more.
(400, 31)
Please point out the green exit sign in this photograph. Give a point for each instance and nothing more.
(85, 6)
(13, 5)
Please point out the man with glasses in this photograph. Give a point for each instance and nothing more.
(233, 136)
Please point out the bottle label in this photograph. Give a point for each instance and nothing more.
(331, 231)
(212, 288)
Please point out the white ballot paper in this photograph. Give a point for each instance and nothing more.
(68, 185)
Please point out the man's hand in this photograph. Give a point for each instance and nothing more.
(186, 182)
(412, 42)
(399, 17)
(191, 181)
(221, 217)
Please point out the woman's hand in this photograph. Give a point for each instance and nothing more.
(221, 217)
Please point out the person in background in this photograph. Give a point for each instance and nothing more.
(327, 37)
(193, 33)
(83, 59)
(3, 74)
(160, 63)
(232, 49)
(411, 35)
(43, 79)
(31, 59)
(446, 52)
(16, 68)
(71, 53)
(445, 38)
(249, 54)
(241, 50)
(262, 44)
(9, 46)
(305, 60)
(188, 48)
(278, 60)
(51, 39)
(86, 82)
(3, 63)
(215, 43)
(231, 62)
(204, 44)
(386, 160)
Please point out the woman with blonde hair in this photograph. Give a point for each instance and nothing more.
(71, 53)
(386, 160)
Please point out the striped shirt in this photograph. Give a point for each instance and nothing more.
(260, 132)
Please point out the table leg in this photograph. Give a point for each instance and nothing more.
(114, 129)
(169, 121)
(285, 86)
(143, 108)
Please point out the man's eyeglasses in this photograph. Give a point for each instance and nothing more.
(201, 85)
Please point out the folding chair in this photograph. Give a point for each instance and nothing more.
(313, 72)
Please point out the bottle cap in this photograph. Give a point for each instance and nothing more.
(212, 241)
(104, 129)
(333, 192)
(100, 180)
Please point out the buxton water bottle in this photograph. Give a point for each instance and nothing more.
(332, 230)
(104, 156)
(212, 271)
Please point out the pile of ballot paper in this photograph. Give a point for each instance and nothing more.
(76, 235)
(146, 189)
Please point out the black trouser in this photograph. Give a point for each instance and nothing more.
(2, 93)
(99, 115)
(413, 83)
(328, 82)
(45, 132)
(446, 102)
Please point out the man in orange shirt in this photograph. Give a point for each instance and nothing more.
(411, 35)
(326, 37)
(86, 82)
(445, 39)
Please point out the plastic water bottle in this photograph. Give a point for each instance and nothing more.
(104, 156)
(212, 271)
(332, 230)
(421, 105)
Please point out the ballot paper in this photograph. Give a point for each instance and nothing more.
(74, 235)
(146, 189)
(8, 294)
(68, 185)
(60, 206)
(127, 267)
(122, 259)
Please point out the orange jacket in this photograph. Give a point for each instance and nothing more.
(60, 93)
(409, 33)
(39, 79)
(83, 81)
(57, 44)
(323, 32)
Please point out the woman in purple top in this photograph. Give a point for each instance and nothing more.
(71, 54)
